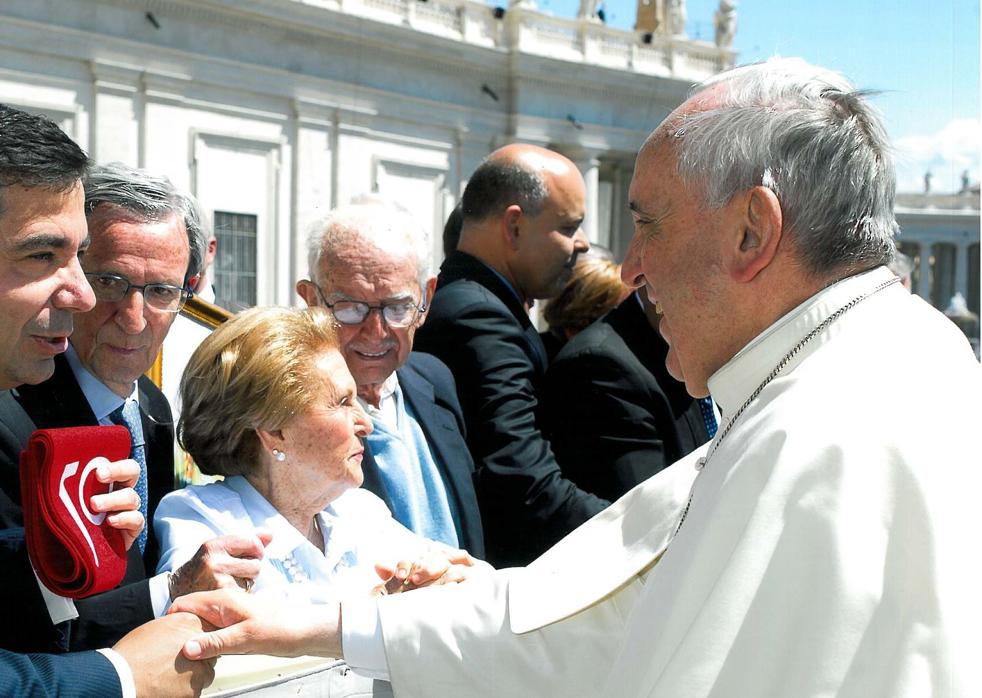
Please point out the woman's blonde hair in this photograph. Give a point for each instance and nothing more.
(255, 371)
(594, 288)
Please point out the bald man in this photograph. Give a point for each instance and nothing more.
(522, 211)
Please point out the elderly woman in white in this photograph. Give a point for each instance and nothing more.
(269, 404)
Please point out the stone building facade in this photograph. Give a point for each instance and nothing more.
(274, 111)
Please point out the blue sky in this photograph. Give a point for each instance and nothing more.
(924, 56)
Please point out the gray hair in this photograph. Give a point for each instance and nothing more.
(369, 220)
(151, 198)
(806, 134)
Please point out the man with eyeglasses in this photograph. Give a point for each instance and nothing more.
(368, 264)
(42, 289)
(146, 248)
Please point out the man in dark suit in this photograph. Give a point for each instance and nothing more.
(613, 413)
(42, 234)
(372, 256)
(142, 232)
(522, 211)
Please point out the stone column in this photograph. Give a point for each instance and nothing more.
(961, 268)
(589, 166)
(924, 281)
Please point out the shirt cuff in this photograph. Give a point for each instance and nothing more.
(126, 682)
(160, 593)
(361, 639)
(59, 608)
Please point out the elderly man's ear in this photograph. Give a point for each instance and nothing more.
(427, 300)
(756, 232)
(307, 291)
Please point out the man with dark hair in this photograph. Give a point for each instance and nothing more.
(35, 155)
(522, 210)
(500, 182)
(42, 234)
(146, 243)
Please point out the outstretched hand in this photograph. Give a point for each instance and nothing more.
(153, 653)
(439, 565)
(251, 625)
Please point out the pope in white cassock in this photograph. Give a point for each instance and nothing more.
(823, 543)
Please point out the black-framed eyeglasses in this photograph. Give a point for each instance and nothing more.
(113, 288)
(396, 314)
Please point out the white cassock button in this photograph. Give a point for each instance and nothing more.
(700, 464)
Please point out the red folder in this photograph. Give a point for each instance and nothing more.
(74, 552)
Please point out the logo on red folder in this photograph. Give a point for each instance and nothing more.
(74, 551)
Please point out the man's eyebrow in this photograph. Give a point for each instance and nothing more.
(394, 298)
(651, 216)
(40, 241)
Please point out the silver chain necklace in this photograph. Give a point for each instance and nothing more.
(781, 365)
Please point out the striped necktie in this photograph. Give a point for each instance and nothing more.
(128, 415)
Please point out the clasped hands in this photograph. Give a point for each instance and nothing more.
(247, 624)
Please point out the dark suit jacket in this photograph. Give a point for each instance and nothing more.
(478, 327)
(104, 618)
(76, 675)
(429, 390)
(614, 415)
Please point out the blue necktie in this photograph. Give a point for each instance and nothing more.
(708, 415)
(128, 415)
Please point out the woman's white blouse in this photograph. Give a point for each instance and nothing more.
(358, 531)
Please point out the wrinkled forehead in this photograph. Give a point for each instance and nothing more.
(361, 265)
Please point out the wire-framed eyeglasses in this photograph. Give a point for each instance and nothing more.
(398, 314)
(113, 288)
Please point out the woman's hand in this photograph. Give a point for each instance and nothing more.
(438, 565)
(226, 561)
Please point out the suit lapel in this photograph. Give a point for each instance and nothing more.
(158, 434)
(461, 265)
(16, 428)
(58, 402)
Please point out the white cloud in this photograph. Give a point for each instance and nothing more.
(946, 154)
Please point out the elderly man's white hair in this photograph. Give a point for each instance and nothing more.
(369, 220)
(808, 135)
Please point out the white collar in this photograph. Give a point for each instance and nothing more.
(387, 408)
(102, 401)
(733, 383)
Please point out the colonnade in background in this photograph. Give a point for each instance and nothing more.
(943, 268)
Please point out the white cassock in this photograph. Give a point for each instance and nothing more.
(830, 548)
